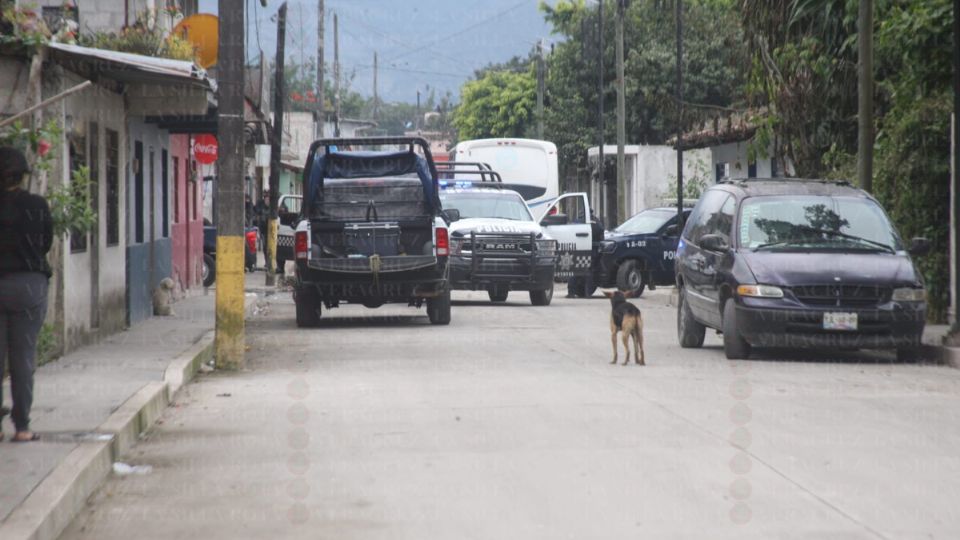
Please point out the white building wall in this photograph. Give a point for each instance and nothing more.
(106, 109)
(650, 172)
(735, 156)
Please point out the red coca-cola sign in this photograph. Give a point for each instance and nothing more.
(205, 148)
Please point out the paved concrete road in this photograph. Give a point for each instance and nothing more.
(511, 424)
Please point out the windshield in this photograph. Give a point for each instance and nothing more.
(815, 222)
(646, 222)
(487, 205)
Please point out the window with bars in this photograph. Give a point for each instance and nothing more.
(113, 187)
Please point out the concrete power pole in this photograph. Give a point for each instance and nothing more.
(230, 208)
(541, 88)
(601, 126)
(865, 137)
(955, 184)
(276, 146)
(321, 68)
(621, 186)
(336, 76)
(679, 17)
(376, 97)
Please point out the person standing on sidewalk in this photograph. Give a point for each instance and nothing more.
(26, 234)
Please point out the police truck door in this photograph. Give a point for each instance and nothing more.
(567, 220)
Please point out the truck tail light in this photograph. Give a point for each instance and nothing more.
(302, 245)
(443, 242)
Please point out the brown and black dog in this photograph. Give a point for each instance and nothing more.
(626, 318)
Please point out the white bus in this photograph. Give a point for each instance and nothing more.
(526, 166)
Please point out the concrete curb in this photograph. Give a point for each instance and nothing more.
(948, 356)
(53, 504)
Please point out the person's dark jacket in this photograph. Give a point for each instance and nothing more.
(26, 233)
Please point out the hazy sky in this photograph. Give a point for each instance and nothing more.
(420, 42)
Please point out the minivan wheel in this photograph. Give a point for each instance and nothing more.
(630, 278)
(909, 354)
(689, 331)
(734, 346)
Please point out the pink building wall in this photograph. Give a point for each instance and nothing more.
(187, 218)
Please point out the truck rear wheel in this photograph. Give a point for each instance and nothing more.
(438, 309)
(308, 307)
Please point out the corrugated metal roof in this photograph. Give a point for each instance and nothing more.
(188, 71)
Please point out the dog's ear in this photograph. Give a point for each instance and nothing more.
(629, 294)
(608, 294)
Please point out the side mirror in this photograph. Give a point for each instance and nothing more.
(450, 215)
(672, 230)
(555, 219)
(714, 242)
(919, 247)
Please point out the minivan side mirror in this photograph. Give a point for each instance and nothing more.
(919, 247)
(450, 215)
(555, 219)
(714, 242)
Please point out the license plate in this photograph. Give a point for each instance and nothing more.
(839, 321)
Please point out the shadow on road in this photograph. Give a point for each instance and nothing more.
(831, 356)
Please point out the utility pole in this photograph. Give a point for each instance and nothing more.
(376, 95)
(679, 17)
(321, 107)
(416, 124)
(865, 114)
(955, 184)
(336, 76)
(231, 244)
(621, 185)
(609, 209)
(541, 88)
(279, 96)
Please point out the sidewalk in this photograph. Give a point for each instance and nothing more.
(89, 407)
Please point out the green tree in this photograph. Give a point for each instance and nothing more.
(499, 104)
(714, 77)
(804, 69)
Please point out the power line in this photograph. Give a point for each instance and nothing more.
(361, 67)
(464, 30)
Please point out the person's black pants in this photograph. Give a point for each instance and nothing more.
(23, 306)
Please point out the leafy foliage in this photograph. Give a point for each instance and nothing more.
(499, 104)
(713, 74)
(70, 205)
(804, 68)
(144, 37)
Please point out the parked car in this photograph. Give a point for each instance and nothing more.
(372, 229)
(797, 263)
(640, 252)
(208, 271)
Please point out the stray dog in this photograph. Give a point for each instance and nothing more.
(626, 318)
(163, 298)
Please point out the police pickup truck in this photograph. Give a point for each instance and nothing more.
(372, 230)
(495, 243)
(638, 254)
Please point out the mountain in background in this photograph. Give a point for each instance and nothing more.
(422, 44)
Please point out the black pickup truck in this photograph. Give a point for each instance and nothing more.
(371, 229)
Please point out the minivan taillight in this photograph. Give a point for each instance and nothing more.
(443, 242)
(302, 245)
